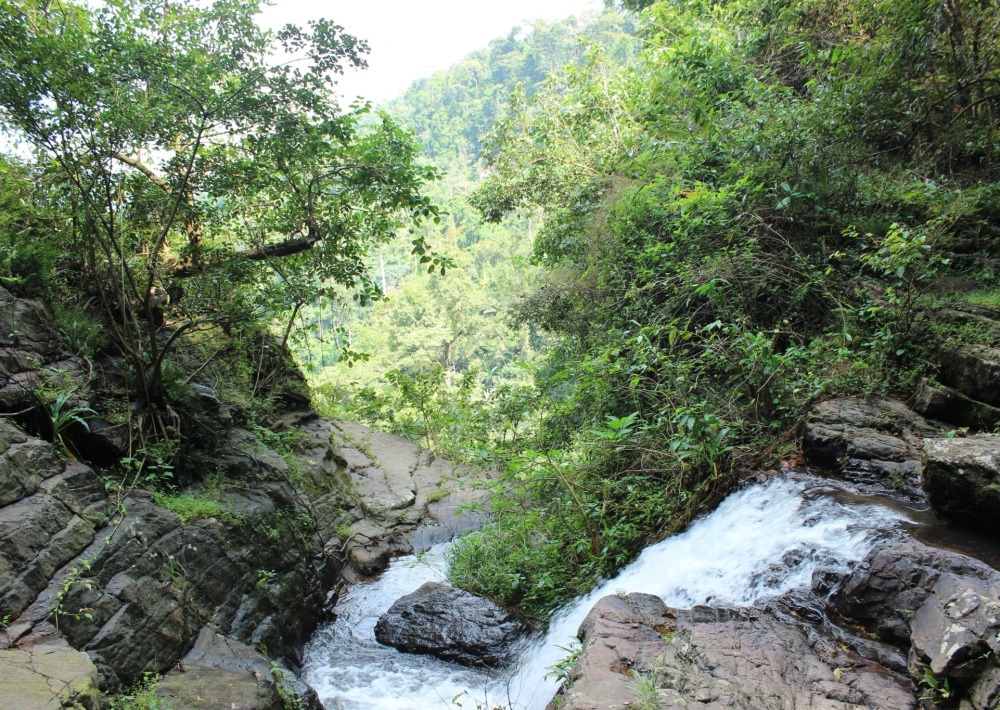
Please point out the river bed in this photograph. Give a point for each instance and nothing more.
(762, 541)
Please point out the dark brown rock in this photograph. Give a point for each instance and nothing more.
(868, 441)
(949, 405)
(942, 606)
(974, 370)
(893, 582)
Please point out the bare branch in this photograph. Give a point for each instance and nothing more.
(144, 169)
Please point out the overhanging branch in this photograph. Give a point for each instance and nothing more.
(142, 168)
(277, 250)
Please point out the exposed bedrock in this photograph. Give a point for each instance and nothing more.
(911, 624)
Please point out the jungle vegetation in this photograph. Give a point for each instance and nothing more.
(658, 236)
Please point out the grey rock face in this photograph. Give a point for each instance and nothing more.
(222, 673)
(942, 606)
(142, 590)
(452, 624)
(868, 441)
(27, 324)
(719, 659)
(974, 370)
(47, 676)
(51, 510)
(962, 479)
(950, 405)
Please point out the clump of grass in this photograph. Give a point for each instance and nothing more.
(141, 696)
(190, 507)
(987, 299)
(438, 494)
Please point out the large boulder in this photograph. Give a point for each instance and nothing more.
(638, 652)
(893, 582)
(961, 478)
(949, 405)
(868, 441)
(47, 676)
(941, 606)
(27, 325)
(220, 673)
(451, 624)
(974, 370)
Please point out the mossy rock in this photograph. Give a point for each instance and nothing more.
(48, 676)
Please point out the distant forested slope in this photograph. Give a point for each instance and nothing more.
(441, 333)
(452, 110)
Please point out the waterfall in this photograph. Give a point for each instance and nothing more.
(763, 540)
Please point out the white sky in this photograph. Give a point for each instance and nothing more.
(411, 39)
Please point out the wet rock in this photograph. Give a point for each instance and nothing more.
(949, 405)
(371, 558)
(451, 624)
(942, 606)
(719, 659)
(954, 632)
(47, 676)
(961, 477)
(868, 441)
(974, 370)
(893, 582)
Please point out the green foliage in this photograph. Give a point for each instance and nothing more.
(742, 221)
(82, 332)
(286, 695)
(257, 189)
(190, 507)
(63, 414)
(933, 688)
(30, 229)
(141, 696)
(561, 670)
(458, 323)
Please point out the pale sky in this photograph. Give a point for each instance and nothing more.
(411, 39)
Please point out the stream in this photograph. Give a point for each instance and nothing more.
(763, 540)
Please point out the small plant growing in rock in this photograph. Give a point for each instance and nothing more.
(935, 689)
(62, 417)
(561, 669)
(141, 696)
(645, 686)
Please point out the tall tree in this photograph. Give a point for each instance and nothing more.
(197, 146)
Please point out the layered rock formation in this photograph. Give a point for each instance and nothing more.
(931, 621)
(98, 589)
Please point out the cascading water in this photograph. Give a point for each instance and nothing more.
(763, 540)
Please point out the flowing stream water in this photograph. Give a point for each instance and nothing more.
(763, 540)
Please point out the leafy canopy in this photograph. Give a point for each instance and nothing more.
(194, 145)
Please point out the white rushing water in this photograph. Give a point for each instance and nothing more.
(762, 541)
